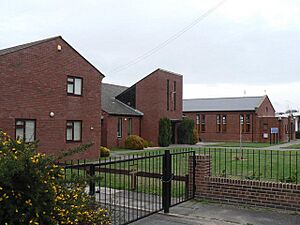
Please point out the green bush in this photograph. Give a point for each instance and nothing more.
(195, 136)
(298, 134)
(134, 142)
(165, 132)
(104, 152)
(33, 189)
(186, 132)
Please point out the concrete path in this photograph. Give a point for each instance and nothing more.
(195, 212)
(280, 146)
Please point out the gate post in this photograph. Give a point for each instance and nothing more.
(92, 185)
(166, 179)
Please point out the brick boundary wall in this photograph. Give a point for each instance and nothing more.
(250, 192)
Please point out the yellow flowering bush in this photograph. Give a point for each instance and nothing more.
(33, 190)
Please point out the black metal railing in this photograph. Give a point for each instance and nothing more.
(137, 185)
(255, 164)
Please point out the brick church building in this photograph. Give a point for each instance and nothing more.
(228, 119)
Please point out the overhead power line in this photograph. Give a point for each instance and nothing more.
(169, 40)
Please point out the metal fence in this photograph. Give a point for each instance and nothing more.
(255, 164)
(137, 185)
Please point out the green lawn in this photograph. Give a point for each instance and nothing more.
(254, 164)
(294, 146)
(244, 145)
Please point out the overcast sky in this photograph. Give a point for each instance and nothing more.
(244, 46)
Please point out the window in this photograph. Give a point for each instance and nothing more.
(174, 95)
(74, 130)
(248, 125)
(25, 130)
(218, 123)
(198, 123)
(129, 131)
(168, 98)
(119, 128)
(74, 86)
(242, 123)
(202, 123)
(224, 123)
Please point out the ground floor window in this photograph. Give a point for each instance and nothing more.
(224, 123)
(129, 131)
(74, 130)
(202, 123)
(25, 130)
(119, 127)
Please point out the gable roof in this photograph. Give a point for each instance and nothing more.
(28, 45)
(222, 104)
(112, 105)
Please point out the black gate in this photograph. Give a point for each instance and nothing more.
(139, 185)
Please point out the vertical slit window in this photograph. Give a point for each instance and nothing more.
(242, 123)
(174, 95)
(119, 127)
(218, 123)
(248, 124)
(202, 123)
(224, 123)
(129, 126)
(168, 97)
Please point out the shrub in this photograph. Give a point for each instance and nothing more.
(134, 142)
(195, 136)
(165, 132)
(33, 189)
(186, 132)
(104, 152)
(145, 143)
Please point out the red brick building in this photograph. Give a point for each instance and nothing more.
(156, 96)
(227, 119)
(50, 93)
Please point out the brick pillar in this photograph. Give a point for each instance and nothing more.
(202, 170)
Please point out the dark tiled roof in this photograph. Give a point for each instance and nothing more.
(20, 47)
(114, 106)
(222, 104)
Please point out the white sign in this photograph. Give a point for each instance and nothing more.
(265, 135)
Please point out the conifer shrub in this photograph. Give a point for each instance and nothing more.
(186, 133)
(165, 132)
(33, 189)
(134, 142)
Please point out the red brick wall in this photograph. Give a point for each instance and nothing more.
(109, 129)
(266, 108)
(260, 193)
(232, 128)
(151, 99)
(33, 83)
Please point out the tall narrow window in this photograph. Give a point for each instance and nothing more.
(168, 97)
(242, 123)
(174, 95)
(74, 85)
(25, 130)
(119, 128)
(202, 123)
(218, 123)
(129, 131)
(248, 124)
(198, 123)
(74, 130)
(224, 123)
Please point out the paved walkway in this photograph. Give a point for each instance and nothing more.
(195, 212)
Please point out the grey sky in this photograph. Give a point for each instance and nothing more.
(244, 45)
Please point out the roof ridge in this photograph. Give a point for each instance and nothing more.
(115, 85)
(223, 98)
(26, 45)
(129, 106)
